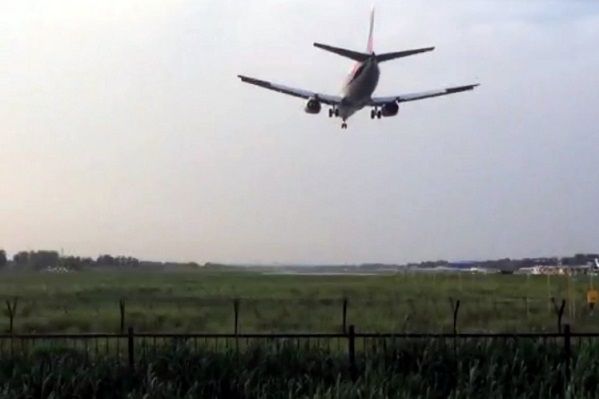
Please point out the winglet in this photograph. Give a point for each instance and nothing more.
(461, 88)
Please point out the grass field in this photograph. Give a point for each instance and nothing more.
(202, 301)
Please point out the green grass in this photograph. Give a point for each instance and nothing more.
(202, 301)
(408, 369)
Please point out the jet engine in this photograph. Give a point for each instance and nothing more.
(313, 106)
(390, 109)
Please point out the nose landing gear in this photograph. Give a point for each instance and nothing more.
(334, 112)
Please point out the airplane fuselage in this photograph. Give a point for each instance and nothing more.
(359, 86)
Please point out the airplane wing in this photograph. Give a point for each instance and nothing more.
(378, 101)
(324, 98)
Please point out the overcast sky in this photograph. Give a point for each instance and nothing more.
(126, 131)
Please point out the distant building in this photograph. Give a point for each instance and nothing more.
(56, 269)
(560, 270)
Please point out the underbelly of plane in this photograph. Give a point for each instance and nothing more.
(359, 92)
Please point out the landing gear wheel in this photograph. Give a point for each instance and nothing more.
(372, 114)
(331, 112)
(344, 125)
(336, 111)
(379, 114)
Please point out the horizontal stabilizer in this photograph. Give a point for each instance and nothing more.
(398, 54)
(354, 55)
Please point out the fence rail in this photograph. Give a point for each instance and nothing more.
(84, 336)
(126, 346)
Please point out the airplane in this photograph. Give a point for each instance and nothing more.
(359, 85)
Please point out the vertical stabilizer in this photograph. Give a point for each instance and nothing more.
(370, 47)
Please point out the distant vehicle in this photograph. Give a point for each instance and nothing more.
(359, 86)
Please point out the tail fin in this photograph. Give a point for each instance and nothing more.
(388, 56)
(370, 46)
(354, 55)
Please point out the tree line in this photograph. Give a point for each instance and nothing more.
(40, 260)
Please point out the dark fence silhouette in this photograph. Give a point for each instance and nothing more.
(355, 345)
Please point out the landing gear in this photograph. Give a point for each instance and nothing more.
(331, 112)
(375, 113)
(379, 114)
(344, 125)
(372, 113)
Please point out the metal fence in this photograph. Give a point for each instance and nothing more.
(126, 348)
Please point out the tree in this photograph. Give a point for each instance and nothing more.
(126, 261)
(21, 258)
(42, 259)
(71, 263)
(36, 259)
(3, 259)
(105, 260)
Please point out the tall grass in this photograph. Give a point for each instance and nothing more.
(408, 369)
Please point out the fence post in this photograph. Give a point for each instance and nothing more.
(131, 348)
(122, 310)
(236, 320)
(567, 349)
(344, 316)
(12, 311)
(455, 307)
(352, 352)
(559, 311)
